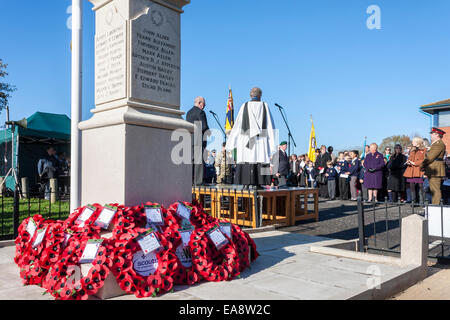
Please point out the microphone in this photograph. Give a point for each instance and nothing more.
(279, 106)
(213, 113)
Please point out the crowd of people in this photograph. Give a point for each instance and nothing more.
(397, 175)
(418, 173)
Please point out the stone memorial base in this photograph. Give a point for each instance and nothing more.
(127, 158)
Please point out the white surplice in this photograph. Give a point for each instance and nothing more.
(261, 147)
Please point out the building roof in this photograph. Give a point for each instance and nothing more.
(433, 107)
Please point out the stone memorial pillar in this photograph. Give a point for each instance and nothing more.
(127, 147)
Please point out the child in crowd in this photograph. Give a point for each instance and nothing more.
(332, 175)
(310, 173)
(353, 171)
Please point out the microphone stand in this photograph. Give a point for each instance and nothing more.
(290, 137)
(225, 137)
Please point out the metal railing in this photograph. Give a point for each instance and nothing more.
(14, 209)
(379, 227)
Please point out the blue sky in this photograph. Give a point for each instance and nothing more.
(313, 57)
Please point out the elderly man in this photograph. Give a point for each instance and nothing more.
(434, 165)
(197, 116)
(253, 136)
(282, 165)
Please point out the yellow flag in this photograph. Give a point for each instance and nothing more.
(312, 143)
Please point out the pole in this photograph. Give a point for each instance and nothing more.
(76, 107)
(361, 224)
(290, 137)
(225, 138)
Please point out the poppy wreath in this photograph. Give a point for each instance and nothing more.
(23, 240)
(36, 261)
(181, 274)
(212, 264)
(242, 246)
(131, 281)
(62, 281)
(140, 217)
(123, 219)
(87, 227)
(253, 252)
(198, 216)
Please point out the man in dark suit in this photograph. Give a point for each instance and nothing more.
(295, 170)
(197, 116)
(283, 165)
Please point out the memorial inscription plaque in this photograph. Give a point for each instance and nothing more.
(110, 64)
(155, 57)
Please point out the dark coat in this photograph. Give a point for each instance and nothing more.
(396, 167)
(283, 167)
(354, 168)
(322, 159)
(375, 163)
(297, 167)
(197, 114)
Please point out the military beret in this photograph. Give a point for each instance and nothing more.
(283, 143)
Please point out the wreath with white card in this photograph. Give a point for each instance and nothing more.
(144, 274)
(214, 258)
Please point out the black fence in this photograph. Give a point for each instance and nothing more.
(14, 208)
(380, 227)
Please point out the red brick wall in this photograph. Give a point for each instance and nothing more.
(446, 138)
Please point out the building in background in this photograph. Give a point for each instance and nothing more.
(440, 117)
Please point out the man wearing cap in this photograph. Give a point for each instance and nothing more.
(434, 165)
(282, 163)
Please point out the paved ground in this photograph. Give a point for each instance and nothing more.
(435, 287)
(339, 220)
(285, 270)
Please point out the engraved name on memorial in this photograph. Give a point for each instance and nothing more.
(155, 57)
(110, 64)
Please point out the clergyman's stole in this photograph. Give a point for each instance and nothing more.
(245, 129)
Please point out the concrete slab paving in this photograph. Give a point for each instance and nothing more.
(285, 270)
(434, 287)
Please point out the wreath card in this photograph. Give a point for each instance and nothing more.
(90, 251)
(105, 217)
(226, 229)
(31, 227)
(184, 211)
(149, 242)
(39, 237)
(85, 215)
(217, 237)
(154, 215)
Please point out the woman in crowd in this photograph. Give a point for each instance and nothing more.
(387, 154)
(373, 175)
(321, 167)
(395, 181)
(413, 173)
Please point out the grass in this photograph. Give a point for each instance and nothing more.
(27, 208)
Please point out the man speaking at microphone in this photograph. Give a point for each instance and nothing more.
(197, 116)
(253, 136)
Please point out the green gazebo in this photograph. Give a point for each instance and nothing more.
(43, 129)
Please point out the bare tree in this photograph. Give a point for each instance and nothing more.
(402, 140)
(5, 88)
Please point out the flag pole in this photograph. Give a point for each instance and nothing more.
(76, 104)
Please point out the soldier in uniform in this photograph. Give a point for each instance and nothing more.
(434, 165)
(223, 164)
